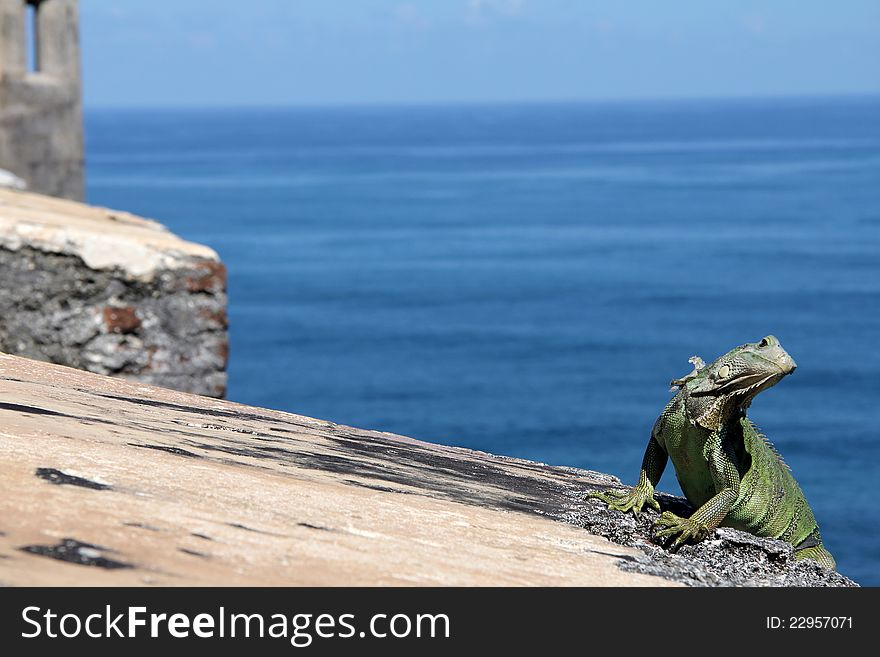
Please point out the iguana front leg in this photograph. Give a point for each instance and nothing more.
(653, 464)
(722, 467)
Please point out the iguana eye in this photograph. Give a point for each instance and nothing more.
(723, 371)
(764, 343)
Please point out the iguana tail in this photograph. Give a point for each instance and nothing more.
(812, 548)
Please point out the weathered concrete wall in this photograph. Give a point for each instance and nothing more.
(110, 293)
(41, 133)
(111, 483)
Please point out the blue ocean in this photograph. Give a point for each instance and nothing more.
(526, 279)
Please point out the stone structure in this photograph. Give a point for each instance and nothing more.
(110, 292)
(90, 288)
(109, 483)
(41, 135)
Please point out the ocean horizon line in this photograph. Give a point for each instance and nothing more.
(510, 103)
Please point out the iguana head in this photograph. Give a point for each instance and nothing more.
(726, 387)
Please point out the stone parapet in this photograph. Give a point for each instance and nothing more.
(111, 293)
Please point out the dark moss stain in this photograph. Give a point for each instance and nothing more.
(194, 553)
(35, 410)
(170, 450)
(240, 449)
(19, 408)
(458, 478)
(213, 412)
(429, 470)
(384, 489)
(59, 478)
(519, 503)
(624, 557)
(238, 525)
(140, 525)
(337, 464)
(77, 552)
(389, 462)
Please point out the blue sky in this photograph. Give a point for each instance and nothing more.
(292, 52)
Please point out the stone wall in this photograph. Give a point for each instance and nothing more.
(148, 486)
(41, 133)
(110, 293)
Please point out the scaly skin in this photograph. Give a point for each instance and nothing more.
(728, 471)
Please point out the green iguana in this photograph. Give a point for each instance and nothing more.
(729, 472)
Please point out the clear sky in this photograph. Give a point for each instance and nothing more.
(291, 52)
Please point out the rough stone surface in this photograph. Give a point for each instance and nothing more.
(152, 310)
(727, 558)
(104, 239)
(111, 483)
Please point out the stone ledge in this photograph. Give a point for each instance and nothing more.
(103, 239)
(111, 293)
(112, 483)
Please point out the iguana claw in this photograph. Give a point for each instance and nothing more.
(688, 529)
(634, 500)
